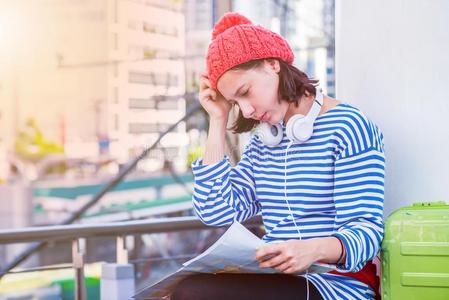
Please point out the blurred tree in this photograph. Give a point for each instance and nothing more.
(193, 153)
(31, 145)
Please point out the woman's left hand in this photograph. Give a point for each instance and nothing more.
(292, 256)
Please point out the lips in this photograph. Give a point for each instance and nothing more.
(263, 117)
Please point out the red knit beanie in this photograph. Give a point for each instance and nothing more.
(235, 40)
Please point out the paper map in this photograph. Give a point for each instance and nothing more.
(233, 252)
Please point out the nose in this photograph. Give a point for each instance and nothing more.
(247, 109)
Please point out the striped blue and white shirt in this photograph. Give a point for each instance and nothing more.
(334, 184)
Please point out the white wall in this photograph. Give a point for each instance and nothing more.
(392, 61)
(16, 212)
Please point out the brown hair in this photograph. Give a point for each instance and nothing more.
(293, 84)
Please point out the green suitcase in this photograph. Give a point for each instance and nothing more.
(415, 253)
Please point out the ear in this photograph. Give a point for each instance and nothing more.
(273, 64)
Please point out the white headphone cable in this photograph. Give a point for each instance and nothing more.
(290, 210)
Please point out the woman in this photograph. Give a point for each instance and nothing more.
(321, 200)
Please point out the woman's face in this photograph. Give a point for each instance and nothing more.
(255, 91)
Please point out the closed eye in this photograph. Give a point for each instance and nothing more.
(242, 95)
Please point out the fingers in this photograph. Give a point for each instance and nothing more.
(283, 264)
(205, 89)
(277, 256)
(204, 83)
(286, 257)
(212, 94)
(284, 267)
(290, 270)
(268, 250)
(208, 94)
(275, 261)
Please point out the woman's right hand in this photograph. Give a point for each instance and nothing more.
(213, 102)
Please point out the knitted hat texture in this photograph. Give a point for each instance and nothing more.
(236, 40)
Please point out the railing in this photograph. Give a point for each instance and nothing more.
(78, 232)
(63, 231)
(105, 189)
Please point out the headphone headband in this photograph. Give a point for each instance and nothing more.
(316, 106)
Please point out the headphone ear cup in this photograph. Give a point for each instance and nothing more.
(304, 132)
(298, 129)
(289, 127)
(271, 135)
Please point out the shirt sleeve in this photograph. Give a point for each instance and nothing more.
(359, 196)
(223, 193)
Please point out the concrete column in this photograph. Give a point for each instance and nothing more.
(117, 281)
(16, 212)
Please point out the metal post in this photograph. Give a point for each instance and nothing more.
(78, 265)
(122, 251)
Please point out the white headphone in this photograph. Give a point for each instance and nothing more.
(299, 128)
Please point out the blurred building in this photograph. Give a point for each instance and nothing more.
(315, 41)
(199, 16)
(277, 15)
(152, 88)
(5, 124)
(101, 77)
